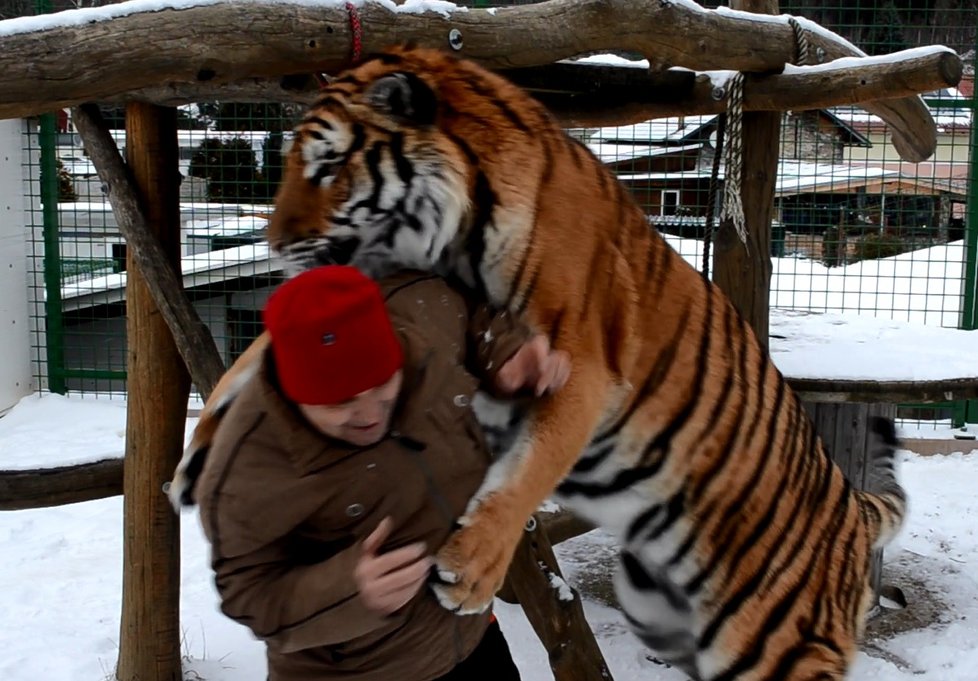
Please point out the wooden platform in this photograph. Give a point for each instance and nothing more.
(857, 358)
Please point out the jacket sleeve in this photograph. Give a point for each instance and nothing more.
(493, 338)
(290, 603)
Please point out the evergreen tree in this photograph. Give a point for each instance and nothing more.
(229, 167)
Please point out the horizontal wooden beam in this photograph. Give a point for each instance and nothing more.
(43, 487)
(828, 390)
(643, 95)
(561, 525)
(583, 94)
(99, 53)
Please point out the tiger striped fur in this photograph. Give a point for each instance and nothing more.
(745, 553)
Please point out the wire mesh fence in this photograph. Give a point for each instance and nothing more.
(230, 164)
(856, 229)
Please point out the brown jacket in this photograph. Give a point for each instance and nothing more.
(285, 507)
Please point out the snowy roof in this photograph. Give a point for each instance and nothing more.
(676, 129)
(799, 177)
(947, 116)
(248, 224)
(661, 130)
(197, 270)
(612, 153)
(794, 177)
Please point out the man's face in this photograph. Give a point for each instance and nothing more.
(361, 421)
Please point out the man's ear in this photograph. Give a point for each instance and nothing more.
(405, 97)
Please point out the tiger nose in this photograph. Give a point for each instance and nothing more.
(342, 250)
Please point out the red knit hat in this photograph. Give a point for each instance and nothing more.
(331, 336)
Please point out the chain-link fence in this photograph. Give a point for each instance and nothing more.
(855, 230)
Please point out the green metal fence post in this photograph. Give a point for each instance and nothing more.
(54, 330)
(968, 412)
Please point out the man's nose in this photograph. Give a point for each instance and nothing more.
(370, 412)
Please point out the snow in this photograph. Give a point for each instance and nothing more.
(92, 15)
(919, 287)
(422, 6)
(836, 346)
(246, 224)
(616, 153)
(61, 572)
(558, 584)
(794, 177)
(856, 62)
(671, 129)
(237, 261)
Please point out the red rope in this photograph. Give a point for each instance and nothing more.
(357, 31)
(356, 28)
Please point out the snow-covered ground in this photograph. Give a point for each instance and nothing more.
(61, 572)
(924, 286)
(61, 568)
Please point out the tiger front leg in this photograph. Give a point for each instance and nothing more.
(473, 562)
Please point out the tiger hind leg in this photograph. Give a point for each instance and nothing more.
(811, 662)
(180, 490)
(656, 612)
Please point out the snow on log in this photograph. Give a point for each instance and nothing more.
(99, 53)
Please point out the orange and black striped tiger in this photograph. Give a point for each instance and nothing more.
(745, 553)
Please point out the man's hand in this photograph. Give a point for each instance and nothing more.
(535, 366)
(387, 581)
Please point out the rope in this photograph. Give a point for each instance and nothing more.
(801, 42)
(733, 208)
(356, 30)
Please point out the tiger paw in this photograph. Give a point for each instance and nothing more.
(471, 566)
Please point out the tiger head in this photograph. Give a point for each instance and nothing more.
(414, 158)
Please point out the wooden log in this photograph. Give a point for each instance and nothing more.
(562, 525)
(104, 52)
(559, 526)
(828, 390)
(158, 387)
(44, 487)
(844, 429)
(193, 339)
(743, 270)
(69, 484)
(554, 610)
(645, 96)
(593, 95)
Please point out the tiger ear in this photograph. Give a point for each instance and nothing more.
(405, 97)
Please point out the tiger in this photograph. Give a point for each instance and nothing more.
(744, 553)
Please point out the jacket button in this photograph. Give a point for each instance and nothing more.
(461, 401)
(354, 510)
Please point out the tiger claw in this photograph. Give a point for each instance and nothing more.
(448, 577)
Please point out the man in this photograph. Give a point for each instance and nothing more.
(342, 466)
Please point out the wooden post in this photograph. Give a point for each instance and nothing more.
(744, 274)
(843, 427)
(554, 609)
(159, 387)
